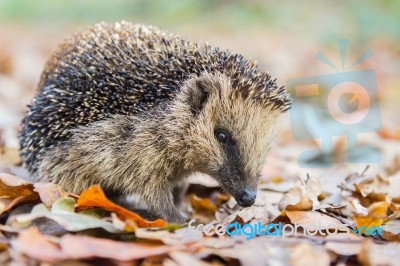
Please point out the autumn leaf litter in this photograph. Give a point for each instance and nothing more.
(41, 222)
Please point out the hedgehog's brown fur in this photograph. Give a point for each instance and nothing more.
(136, 110)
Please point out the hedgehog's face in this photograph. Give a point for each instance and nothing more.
(228, 136)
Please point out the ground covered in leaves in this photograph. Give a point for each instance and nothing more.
(40, 222)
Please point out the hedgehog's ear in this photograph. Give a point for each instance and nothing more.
(198, 96)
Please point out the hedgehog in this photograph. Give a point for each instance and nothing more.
(137, 110)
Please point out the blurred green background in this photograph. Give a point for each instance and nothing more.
(283, 36)
(362, 20)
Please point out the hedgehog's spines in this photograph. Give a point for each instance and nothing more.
(124, 68)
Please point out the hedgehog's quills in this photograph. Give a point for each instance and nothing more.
(137, 110)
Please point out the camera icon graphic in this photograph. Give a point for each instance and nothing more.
(331, 105)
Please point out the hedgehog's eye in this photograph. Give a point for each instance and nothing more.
(222, 135)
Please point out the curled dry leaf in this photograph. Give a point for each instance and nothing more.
(313, 220)
(378, 188)
(249, 214)
(377, 214)
(391, 230)
(15, 191)
(204, 209)
(50, 193)
(94, 197)
(202, 204)
(303, 197)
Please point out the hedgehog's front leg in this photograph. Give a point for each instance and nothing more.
(160, 200)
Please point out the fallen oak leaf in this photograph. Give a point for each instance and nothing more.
(15, 191)
(94, 197)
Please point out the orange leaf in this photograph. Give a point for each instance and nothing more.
(377, 214)
(15, 191)
(94, 197)
(202, 204)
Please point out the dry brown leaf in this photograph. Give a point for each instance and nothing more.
(248, 214)
(33, 244)
(258, 251)
(94, 197)
(344, 244)
(50, 193)
(83, 247)
(311, 219)
(306, 254)
(391, 230)
(181, 258)
(358, 208)
(377, 214)
(221, 199)
(296, 199)
(379, 188)
(394, 167)
(15, 191)
(80, 247)
(374, 254)
(202, 204)
(179, 237)
(303, 197)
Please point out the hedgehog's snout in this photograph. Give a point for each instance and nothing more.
(246, 197)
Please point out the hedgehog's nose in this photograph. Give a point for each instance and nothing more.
(246, 198)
